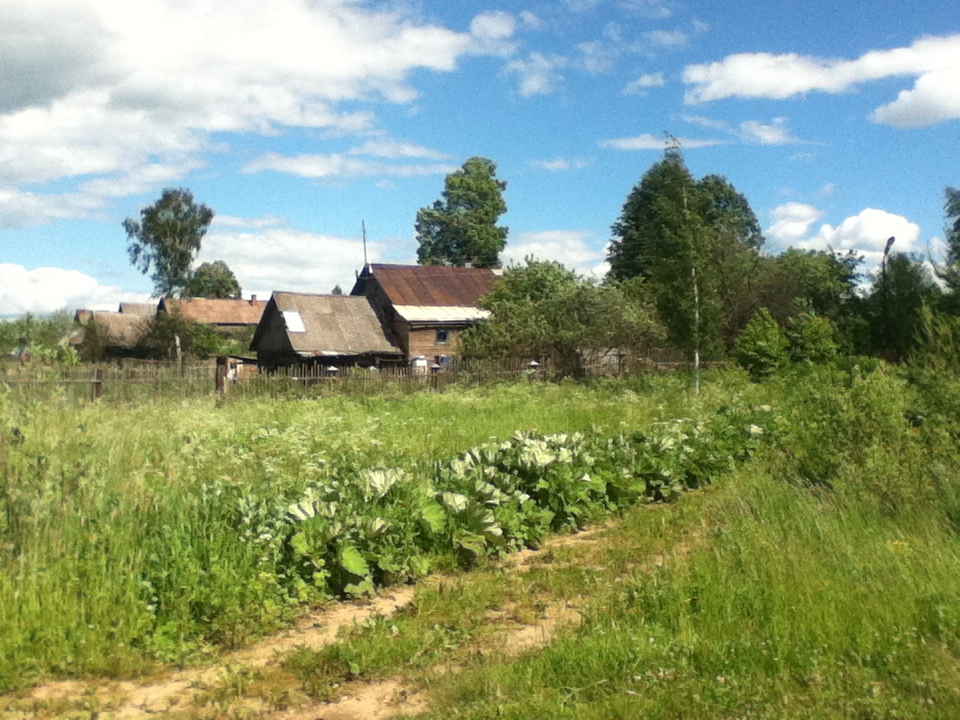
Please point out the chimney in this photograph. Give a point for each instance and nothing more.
(253, 299)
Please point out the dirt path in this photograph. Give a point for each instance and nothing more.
(193, 694)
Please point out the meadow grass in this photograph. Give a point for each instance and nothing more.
(815, 587)
(136, 533)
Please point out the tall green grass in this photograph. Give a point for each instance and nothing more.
(821, 582)
(130, 534)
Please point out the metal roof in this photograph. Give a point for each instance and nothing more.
(441, 314)
(433, 286)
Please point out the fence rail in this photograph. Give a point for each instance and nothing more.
(141, 381)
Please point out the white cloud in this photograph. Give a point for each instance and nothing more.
(530, 20)
(753, 132)
(340, 166)
(121, 96)
(568, 247)
(560, 164)
(645, 82)
(385, 148)
(775, 133)
(867, 234)
(47, 289)
(792, 222)
(933, 99)
(538, 73)
(492, 31)
(934, 61)
(652, 142)
(283, 258)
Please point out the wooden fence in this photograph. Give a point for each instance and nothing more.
(141, 381)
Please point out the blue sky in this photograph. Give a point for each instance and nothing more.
(296, 120)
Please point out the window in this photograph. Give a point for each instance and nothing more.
(443, 337)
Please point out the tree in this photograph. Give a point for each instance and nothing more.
(544, 311)
(696, 243)
(949, 270)
(762, 346)
(461, 229)
(167, 239)
(902, 288)
(213, 280)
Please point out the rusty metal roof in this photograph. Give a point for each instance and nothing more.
(216, 311)
(434, 286)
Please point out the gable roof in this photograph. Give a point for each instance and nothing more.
(432, 285)
(215, 311)
(331, 325)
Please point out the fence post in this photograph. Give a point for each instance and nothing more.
(96, 386)
(221, 375)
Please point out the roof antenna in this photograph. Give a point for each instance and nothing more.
(363, 225)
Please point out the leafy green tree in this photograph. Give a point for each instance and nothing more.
(894, 307)
(461, 229)
(544, 311)
(811, 338)
(167, 239)
(213, 280)
(166, 331)
(949, 269)
(762, 346)
(696, 243)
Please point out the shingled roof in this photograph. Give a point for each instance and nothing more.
(327, 325)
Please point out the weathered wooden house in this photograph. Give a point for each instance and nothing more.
(333, 330)
(227, 316)
(426, 307)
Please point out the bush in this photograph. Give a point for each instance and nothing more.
(811, 338)
(762, 346)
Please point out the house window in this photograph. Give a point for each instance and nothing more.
(443, 337)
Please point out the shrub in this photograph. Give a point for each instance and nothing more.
(811, 338)
(762, 346)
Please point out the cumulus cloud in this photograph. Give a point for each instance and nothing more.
(119, 96)
(653, 142)
(277, 257)
(867, 234)
(569, 247)
(792, 222)
(934, 61)
(48, 289)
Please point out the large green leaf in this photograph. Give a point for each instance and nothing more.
(352, 561)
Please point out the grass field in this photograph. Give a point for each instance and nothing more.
(820, 578)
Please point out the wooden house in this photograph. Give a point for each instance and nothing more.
(426, 307)
(335, 330)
